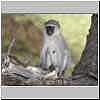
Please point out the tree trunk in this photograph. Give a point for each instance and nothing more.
(88, 65)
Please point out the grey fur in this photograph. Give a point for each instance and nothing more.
(54, 51)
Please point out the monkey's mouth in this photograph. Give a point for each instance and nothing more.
(50, 30)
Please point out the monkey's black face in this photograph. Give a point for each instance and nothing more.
(50, 30)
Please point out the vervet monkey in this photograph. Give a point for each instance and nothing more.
(54, 53)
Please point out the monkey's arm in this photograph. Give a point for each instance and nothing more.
(43, 56)
(67, 60)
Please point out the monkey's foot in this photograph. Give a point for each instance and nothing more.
(60, 81)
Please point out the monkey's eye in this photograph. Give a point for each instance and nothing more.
(50, 30)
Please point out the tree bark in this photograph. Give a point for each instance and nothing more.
(88, 64)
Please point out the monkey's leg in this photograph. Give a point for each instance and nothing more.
(60, 79)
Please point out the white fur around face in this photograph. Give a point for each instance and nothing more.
(56, 31)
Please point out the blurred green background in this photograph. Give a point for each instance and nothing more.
(27, 29)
